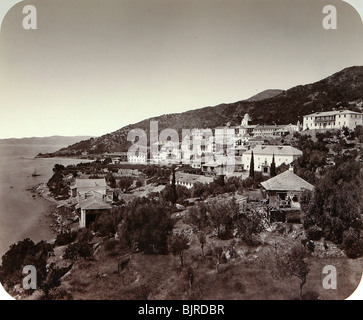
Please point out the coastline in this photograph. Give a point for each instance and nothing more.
(56, 225)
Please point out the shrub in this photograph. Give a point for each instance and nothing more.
(110, 244)
(84, 235)
(65, 238)
(147, 225)
(352, 243)
(106, 224)
(314, 233)
(78, 250)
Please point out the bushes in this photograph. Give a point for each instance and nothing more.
(23, 253)
(13, 259)
(197, 217)
(336, 203)
(110, 244)
(147, 226)
(106, 224)
(352, 243)
(84, 235)
(65, 238)
(78, 250)
(82, 248)
(314, 233)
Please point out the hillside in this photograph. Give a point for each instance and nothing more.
(340, 90)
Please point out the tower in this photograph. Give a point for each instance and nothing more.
(246, 120)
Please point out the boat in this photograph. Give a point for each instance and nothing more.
(35, 174)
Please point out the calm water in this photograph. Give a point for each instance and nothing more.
(21, 215)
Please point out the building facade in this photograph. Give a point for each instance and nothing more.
(263, 155)
(332, 120)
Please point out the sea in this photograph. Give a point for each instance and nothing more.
(21, 214)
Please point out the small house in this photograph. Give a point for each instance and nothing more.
(283, 193)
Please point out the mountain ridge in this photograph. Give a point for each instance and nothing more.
(50, 140)
(342, 89)
(266, 94)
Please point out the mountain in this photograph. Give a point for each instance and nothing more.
(340, 90)
(53, 140)
(270, 93)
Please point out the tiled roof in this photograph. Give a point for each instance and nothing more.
(87, 183)
(273, 126)
(332, 113)
(286, 181)
(192, 178)
(94, 201)
(277, 150)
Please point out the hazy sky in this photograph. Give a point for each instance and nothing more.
(93, 67)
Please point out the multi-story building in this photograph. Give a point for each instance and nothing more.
(332, 120)
(263, 155)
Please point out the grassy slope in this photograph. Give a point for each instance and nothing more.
(249, 276)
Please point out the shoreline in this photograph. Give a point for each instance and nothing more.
(55, 224)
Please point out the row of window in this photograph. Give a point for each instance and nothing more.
(356, 116)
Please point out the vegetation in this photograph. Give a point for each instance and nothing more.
(293, 264)
(146, 227)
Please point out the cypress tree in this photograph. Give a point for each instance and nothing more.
(252, 167)
(173, 186)
(273, 167)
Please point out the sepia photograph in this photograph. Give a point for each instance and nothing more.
(190, 151)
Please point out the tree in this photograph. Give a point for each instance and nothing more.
(352, 243)
(174, 196)
(178, 243)
(52, 279)
(249, 224)
(147, 226)
(218, 256)
(24, 253)
(77, 250)
(293, 264)
(202, 240)
(138, 183)
(13, 259)
(111, 180)
(198, 190)
(57, 186)
(197, 217)
(252, 167)
(273, 167)
(220, 218)
(125, 183)
(336, 203)
(58, 168)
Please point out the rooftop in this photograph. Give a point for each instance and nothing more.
(192, 178)
(94, 201)
(331, 113)
(90, 183)
(286, 181)
(270, 126)
(277, 150)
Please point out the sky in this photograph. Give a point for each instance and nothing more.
(92, 67)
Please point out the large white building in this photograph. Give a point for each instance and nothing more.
(263, 154)
(333, 120)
